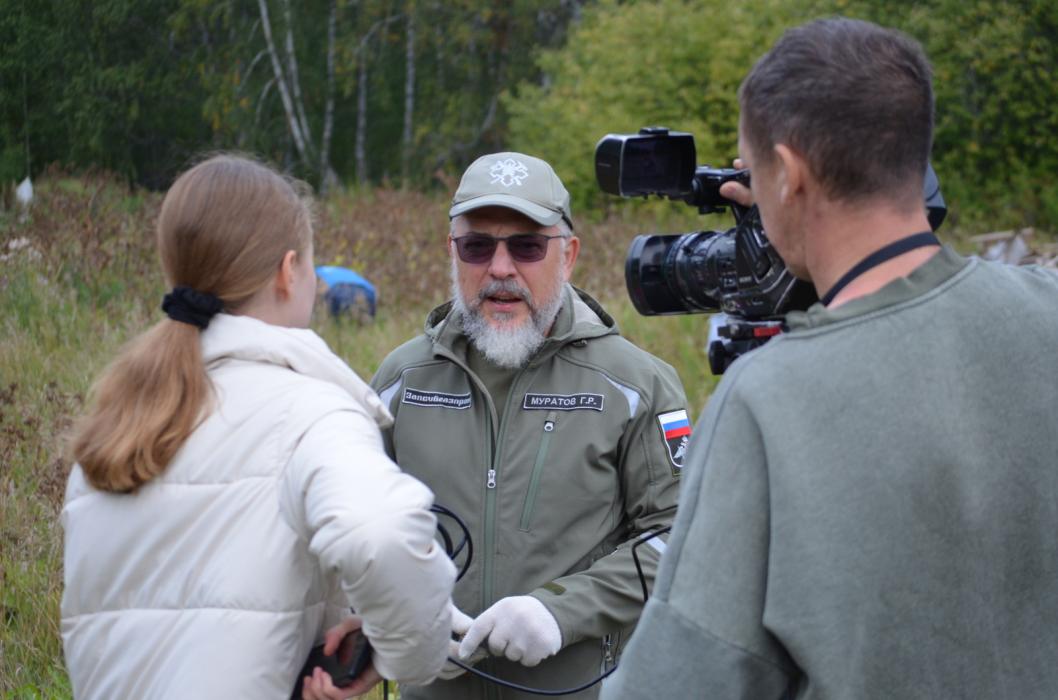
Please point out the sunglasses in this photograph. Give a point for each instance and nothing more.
(478, 248)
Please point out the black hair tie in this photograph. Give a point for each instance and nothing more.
(186, 305)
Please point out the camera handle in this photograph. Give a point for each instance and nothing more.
(730, 338)
(705, 191)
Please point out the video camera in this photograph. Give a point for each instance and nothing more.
(737, 271)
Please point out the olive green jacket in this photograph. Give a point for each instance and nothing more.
(555, 486)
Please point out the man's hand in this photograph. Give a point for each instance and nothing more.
(320, 685)
(460, 625)
(519, 627)
(735, 191)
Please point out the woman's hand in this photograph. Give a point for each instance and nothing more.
(320, 685)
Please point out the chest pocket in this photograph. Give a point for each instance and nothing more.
(428, 412)
(547, 431)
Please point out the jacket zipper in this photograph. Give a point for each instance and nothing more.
(489, 524)
(492, 476)
(538, 468)
(490, 446)
(610, 644)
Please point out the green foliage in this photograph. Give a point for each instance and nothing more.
(680, 63)
(239, 101)
(95, 83)
(996, 85)
(674, 63)
(139, 87)
(466, 52)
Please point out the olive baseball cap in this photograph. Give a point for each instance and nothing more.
(515, 181)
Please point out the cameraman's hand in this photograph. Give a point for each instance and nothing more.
(519, 627)
(737, 192)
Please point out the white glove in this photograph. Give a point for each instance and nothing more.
(520, 628)
(460, 624)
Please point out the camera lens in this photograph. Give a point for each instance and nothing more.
(680, 273)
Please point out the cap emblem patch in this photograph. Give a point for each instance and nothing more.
(508, 172)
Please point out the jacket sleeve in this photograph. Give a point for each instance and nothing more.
(369, 525)
(608, 595)
(702, 633)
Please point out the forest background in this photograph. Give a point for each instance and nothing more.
(380, 105)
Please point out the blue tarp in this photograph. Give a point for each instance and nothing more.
(345, 289)
(332, 275)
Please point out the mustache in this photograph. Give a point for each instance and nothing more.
(507, 286)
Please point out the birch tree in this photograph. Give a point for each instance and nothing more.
(362, 60)
(287, 80)
(409, 94)
(328, 178)
(283, 85)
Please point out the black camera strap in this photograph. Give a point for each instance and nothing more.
(915, 240)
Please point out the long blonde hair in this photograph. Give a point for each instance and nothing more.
(224, 228)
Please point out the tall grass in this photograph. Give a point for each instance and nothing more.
(75, 275)
(79, 278)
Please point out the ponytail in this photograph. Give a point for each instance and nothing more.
(143, 408)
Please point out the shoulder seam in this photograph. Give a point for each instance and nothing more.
(777, 665)
(397, 373)
(587, 365)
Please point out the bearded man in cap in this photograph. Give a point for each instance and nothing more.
(558, 441)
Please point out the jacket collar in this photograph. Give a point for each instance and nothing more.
(231, 337)
(934, 272)
(579, 318)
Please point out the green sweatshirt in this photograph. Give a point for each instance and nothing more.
(871, 505)
(554, 484)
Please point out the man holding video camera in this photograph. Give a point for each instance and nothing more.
(557, 440)
(872, 497)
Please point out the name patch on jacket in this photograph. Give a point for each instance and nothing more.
(563, 402)
(436, 399)
(676, 432)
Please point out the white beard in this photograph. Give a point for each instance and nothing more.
(504, 344)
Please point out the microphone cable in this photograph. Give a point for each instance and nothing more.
(527, 689)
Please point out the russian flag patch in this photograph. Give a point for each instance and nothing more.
(675, 432)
